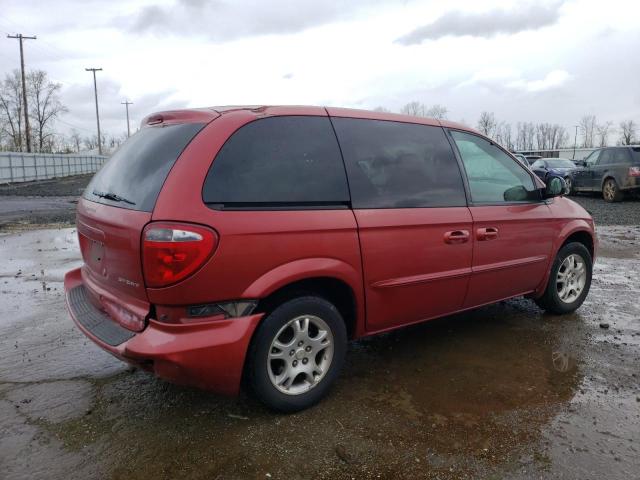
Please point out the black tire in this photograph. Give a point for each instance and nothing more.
(550, 300)
(258, 362)
(611, 192)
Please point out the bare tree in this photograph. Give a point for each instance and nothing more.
(417, 109)
(602, 132)
(627, 132)
(76, 140)
(45, 104)
(381, 109)
(437, 111)
(487, 123)
(503, 135)
(11, 109)
(587, 127)
(90, 143)
(526, 135)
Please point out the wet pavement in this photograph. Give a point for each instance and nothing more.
(500, 392)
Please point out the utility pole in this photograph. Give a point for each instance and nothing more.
(21, 38)
(95, 90)
(575, 140)
(126, 103)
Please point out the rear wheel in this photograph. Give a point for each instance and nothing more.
(297, 353)
(569, 280)
(610, 191)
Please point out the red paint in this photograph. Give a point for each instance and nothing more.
(402, 265)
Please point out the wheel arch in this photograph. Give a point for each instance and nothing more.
(577, 230)
(329, 278)
(607, 177)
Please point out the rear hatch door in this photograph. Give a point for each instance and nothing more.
(116, 205)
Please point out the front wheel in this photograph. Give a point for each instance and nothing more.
(297, 353)
(569, 280)
(569, 183)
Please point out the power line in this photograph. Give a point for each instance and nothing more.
(21, 38)
(126, 103)
(72, 125)
(95, 90)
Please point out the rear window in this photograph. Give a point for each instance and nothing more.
(133, 176)
(635, 154)
(399, 165)
(279, 162)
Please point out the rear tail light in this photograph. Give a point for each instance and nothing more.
(634, 171)
(171, 251)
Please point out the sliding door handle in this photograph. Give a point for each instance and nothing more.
(488, 233)
(456, 236)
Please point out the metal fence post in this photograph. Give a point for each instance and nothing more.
(10, 169)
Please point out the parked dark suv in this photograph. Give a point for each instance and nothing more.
(252, 243)
(613, 171)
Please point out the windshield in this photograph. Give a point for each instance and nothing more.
(560, 163)
(133, 176)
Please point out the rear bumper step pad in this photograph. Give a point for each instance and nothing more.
(95, 321)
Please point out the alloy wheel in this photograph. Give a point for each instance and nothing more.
(571, 278)
(567, 182)
(300, 355)
(609, 190)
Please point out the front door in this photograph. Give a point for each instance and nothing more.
(512, 227)
(583, 176)
(414, 226)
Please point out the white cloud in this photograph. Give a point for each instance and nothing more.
(553, 79)
(502, 78)
(334, 53)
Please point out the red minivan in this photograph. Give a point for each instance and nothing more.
(252, 243)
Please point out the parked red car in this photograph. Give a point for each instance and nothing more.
(253, 242)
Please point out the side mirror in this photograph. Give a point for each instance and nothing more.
(556, 186)
(581, 163)
(516, 194)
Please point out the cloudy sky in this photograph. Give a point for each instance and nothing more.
(526, 61)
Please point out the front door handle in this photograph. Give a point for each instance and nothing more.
(488, 233)
(456, 236)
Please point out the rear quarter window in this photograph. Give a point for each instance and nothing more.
(279, 162)
(136, 172)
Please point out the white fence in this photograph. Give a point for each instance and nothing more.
(24, 167)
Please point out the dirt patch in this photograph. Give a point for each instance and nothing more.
(71, 186)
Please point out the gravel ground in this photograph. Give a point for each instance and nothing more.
(603, 213)
(55, 187)
(40, 203)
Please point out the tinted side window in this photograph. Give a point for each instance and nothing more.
(592, 158)
(399, 165)
(493, 175)
(606, 157)
(620, 155)
(279, 161)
